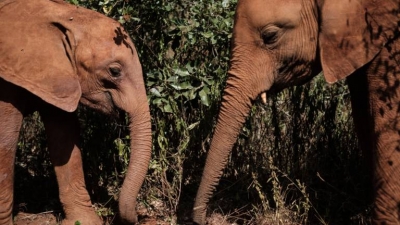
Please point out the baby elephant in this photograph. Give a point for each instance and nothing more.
(52, 56)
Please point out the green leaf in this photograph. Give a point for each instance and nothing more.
(207, 81)
(157, 101)
(189, 68)
(204, 97)
(181, 72)
(173, 79)
(75, 2)
(193, 125)
(120, 146)
(155, 92)
(167, 108)
(225, 3)
(182, 86)
(168, 8)
(207, 34)
(190, 94)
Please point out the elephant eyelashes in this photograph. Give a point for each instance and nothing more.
(270, 35)
(115, 72)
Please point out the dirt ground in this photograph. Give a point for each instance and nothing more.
(45, 218)
(48, 218)
(55, 217)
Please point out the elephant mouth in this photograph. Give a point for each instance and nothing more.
(110, 100)
(102, 102)
(280, 84)
(114, 110)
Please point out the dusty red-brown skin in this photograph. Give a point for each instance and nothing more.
(54, 55)
(277, 44)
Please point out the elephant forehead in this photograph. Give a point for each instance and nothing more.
(259, 13)
(99, 53)
(113, 41)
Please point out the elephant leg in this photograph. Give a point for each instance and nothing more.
(62, 129)
(10, 124)
(381, 134)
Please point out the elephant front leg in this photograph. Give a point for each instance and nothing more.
(62, 130)
(386, 161)
(375, 95)
(10, 124)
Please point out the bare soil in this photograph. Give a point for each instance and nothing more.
(48, 218)
(45, 218)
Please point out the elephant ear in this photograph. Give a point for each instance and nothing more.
(353, 33)
(38, 54)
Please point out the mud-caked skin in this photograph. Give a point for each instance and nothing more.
(54, 55)
(277, 44)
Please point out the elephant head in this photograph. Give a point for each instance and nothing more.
(66, 54)
(277, 44)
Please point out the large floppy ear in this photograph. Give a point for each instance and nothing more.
(353, 32)
(37, 54)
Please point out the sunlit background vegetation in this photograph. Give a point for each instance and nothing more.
(296, 161)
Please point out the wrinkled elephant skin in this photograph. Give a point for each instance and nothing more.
(277, 44)
(54, 55)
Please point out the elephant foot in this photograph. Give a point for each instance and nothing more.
(6, 221)
(6, 213)
(199, 215)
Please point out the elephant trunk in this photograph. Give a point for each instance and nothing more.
(140, 128)
(236, 104)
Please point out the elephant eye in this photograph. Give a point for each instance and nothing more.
(270, 34)
(115, 72)
(269, 37)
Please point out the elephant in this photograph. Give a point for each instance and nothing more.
(53, 56)
(277, 44)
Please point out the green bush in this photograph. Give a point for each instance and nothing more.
(296, 158)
